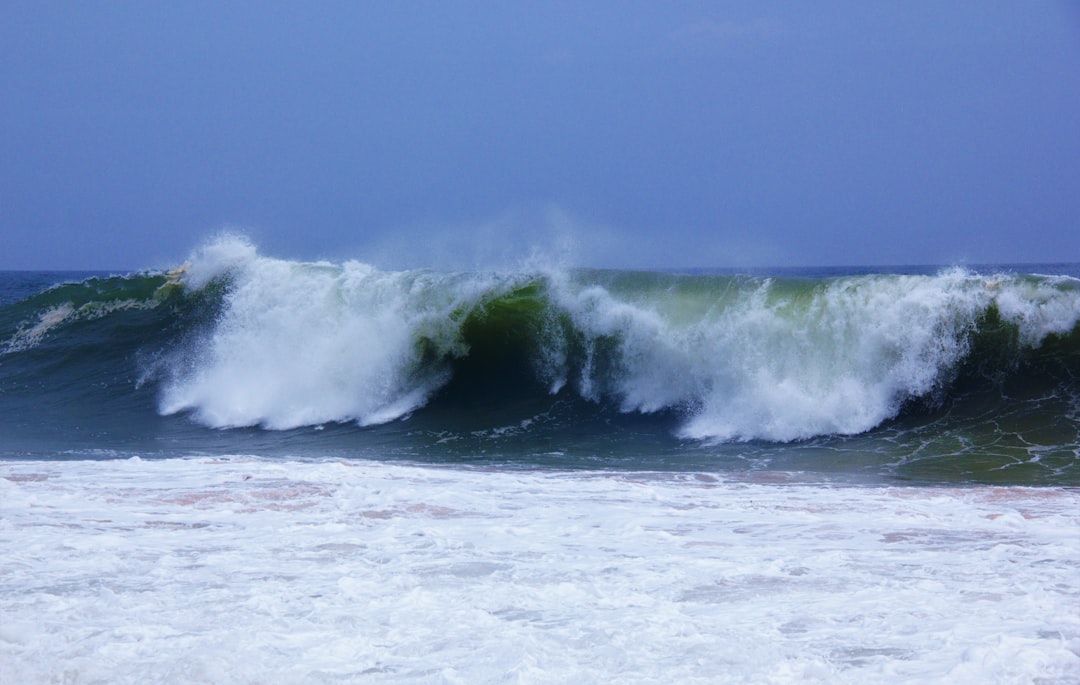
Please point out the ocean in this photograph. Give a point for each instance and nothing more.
(252, 469)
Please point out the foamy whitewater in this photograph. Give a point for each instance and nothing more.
(303, 344)
(249, 570)
(249, 469)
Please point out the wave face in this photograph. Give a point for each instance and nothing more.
(237, 339)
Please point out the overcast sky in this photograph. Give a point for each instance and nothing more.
(637, 134)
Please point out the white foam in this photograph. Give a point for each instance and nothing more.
(303, 344)
(864, 347)
(776, 366)
(30, 335)
(1040, 308)
(244, 570)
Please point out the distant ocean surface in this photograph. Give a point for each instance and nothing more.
(254, 469)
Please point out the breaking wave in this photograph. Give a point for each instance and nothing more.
(235, 338)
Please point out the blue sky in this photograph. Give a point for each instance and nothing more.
(636, 134)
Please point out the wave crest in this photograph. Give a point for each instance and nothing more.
(249, 340)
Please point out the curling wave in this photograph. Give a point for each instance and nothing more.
(235, 338)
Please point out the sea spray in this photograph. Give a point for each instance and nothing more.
(841, 361)
(572, 357)
(301, 344)
(738, 358)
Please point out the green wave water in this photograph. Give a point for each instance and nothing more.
(944, 375)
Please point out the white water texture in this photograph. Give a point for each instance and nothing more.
(245, 570)
(303, 344)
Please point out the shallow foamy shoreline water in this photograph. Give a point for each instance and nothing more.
(252, 570)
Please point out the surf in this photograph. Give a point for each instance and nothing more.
(239, 339)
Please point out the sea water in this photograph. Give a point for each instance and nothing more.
(259, 470)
